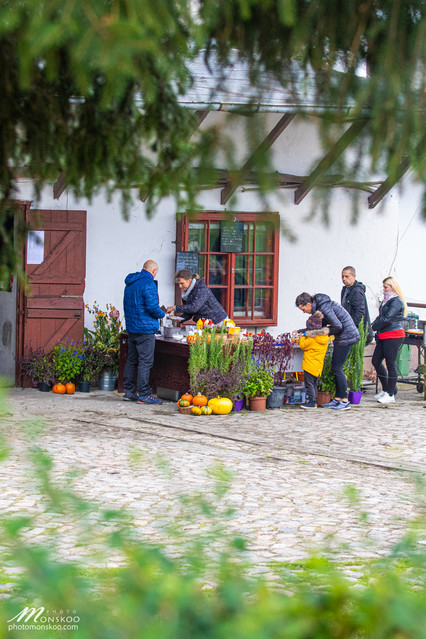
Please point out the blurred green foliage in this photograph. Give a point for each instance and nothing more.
(198, 587)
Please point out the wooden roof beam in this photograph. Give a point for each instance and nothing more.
(59, 186)
(239, 178)
(386, 186)
(322, 167)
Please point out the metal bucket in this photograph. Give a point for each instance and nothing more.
(107, 381)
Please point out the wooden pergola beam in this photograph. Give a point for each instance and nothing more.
(386, 186)
(239, 178)
(322, 167)
(59, 186)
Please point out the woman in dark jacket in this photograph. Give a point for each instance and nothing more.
(390, 334)
(198, 300)
(341, 325)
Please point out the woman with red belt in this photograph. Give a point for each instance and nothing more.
(390, 334)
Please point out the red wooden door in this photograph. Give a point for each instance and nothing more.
(53, 309)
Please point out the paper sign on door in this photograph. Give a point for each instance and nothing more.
(35, 247)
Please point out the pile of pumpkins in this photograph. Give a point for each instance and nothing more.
(202, 406)
(62, 389)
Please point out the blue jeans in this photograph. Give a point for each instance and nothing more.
(338, 359)
(141, 356)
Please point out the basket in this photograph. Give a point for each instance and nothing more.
(185, 410)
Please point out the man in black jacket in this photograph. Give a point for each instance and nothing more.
(354, 301)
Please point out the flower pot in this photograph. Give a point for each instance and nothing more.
(354, 397)
(84, 387)
(107, 381)
(43, 387)
(257, 403)
(276, 398)
(239, 405)
(323, 398)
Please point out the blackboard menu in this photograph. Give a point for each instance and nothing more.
(231, 237)
(187, 260)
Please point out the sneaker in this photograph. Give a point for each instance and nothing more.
(308, 406)
(330, 404)
(387, 399)
(131, 397)
(149, 399)
(341, 406)
(380, 395)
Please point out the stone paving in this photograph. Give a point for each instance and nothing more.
(290, 468)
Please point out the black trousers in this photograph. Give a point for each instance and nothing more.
(311, 387)
(338, 359)
(140, 355)
(387, 349)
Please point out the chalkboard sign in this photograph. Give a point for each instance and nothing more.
(187, 260)
(231, 237)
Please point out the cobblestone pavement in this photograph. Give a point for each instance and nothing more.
(290, 469)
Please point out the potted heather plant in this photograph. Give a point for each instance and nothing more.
(276, 353)
(40, 368)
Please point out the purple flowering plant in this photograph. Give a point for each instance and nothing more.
(274, 353)
(214, 382)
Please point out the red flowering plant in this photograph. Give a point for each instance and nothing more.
(106, 332)
(274, 353)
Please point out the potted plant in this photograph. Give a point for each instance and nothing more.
(218, 368)
(327, 381)
(277, 353)
(39, 366)
(106, 337)
(67, 359)
(215, 383)
(259, 385)
(93, 361)
(354, 366)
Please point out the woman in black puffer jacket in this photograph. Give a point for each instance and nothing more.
(198, 300)
(341, 325)
(390, 334)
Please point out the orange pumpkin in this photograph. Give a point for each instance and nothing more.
(59, 389)
(199, 400)
(70, 388)
(187, 397)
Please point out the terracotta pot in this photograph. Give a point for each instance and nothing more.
(323, 398)
(257, 403)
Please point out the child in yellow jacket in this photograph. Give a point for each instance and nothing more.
(314, 342)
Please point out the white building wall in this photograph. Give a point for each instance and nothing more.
(386, 240)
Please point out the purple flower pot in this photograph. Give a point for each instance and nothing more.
(354, 397)
(239, 404)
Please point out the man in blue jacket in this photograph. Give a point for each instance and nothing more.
(142, 312)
